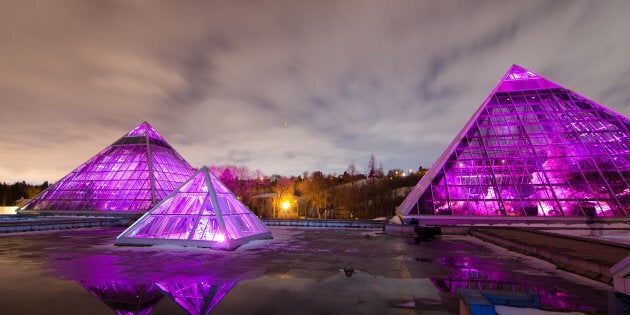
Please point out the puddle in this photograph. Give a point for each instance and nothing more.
(469, 273)
(330, 271)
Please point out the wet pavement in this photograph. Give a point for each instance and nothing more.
(300, 271)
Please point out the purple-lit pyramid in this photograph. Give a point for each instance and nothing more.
(130, 176)
(533, 148)
(202, 212)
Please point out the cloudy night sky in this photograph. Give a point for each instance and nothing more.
(283, 86)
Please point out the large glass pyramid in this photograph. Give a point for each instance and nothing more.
(202, 212)
(533, 148)
(131, 175)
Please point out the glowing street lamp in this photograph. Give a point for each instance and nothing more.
(285, 205)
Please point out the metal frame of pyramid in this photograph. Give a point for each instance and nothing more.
(201, 212)
(533, 148)
(128, 177)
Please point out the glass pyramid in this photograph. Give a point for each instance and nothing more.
(202, 212)
(533, 148)
(131, 175)
(196, 296)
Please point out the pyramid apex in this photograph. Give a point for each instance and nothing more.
(518, 78)
(517, 72)
(144, 129)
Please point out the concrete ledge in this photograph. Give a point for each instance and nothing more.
(490, 220)
(364, 224)
(576, 265)
(621, 276)
(129, 215)
(14, 225)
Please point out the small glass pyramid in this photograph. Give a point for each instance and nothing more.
(131, 175)
(533, 148)
(202, 212)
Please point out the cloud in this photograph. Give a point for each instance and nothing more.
(219, 79)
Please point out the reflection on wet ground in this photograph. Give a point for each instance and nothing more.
(124, 297)
(197, 295)
(465, 276)
(300, 271)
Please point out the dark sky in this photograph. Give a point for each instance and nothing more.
(220, 79)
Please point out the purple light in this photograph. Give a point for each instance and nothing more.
(195, 295)
(144, 129)
(533, 148)
(124, 297)
(467, 276)
(126, 289)
(132, 174)
(201, 212)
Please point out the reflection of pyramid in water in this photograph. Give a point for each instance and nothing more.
(533, 148)
(125, 298)
(202, 212)
(197, 297)
(131, 175)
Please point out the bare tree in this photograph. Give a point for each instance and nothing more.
(352, 171)
(371, 170)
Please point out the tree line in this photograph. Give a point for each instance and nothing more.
(11, 194)
(351, 195)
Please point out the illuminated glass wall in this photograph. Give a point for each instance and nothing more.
(202, 212)
(533, 148)
(132, 174)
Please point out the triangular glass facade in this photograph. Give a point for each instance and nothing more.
(202, 212)
(131, 175)
(533, 148)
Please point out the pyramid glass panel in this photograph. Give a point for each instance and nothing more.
(533, 148)
(201, 212)
(131, 175)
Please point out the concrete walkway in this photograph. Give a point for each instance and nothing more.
(588, 258)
